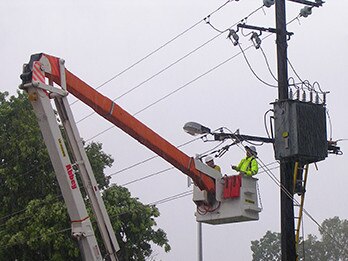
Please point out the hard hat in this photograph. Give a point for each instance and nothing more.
(252, 149)
(209, 158)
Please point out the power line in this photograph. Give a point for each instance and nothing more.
(252, 70)
(267, 63)
(38, 237)
(24, 209)
(147, 176)
(151, 158)
(290, 195)
(158, 202)
(172, 64)
(158, 49)
(176, 90)
(167, 169)
(311, 87)
(173, 197)
(155, 75)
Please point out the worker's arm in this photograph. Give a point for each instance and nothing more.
(237, 168)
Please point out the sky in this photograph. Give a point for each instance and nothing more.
(98, 40)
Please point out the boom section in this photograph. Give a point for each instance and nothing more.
(108, 109)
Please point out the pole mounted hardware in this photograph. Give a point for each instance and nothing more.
(261, 29)
(317, 3)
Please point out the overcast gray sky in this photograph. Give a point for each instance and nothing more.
(99, 39)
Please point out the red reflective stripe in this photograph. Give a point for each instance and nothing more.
(81, 220)
(37, 73)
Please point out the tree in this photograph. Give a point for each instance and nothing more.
(332, 246)
(135, 224)
(34, 224)
(333, 243)
(267, 248)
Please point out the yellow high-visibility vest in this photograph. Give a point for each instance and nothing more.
(248, 166)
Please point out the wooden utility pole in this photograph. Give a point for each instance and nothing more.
(286, 166)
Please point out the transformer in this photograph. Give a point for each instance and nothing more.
(300, 131)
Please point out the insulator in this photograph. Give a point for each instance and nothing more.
(256, 40)
(311, 96)
(304, 96)
(317, 98)
(234, 35)
(324, 98)
(291, 94)
(306, 11)
(297, 94)
(268, 3)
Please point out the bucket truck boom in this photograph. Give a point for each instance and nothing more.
(40, 79)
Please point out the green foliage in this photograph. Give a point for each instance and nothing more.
(34, 223)
(99, 160)
(267, 248)
(25, 168)
(136, 223)
(331, 247)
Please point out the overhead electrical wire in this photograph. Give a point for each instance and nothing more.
(268, 66)
(252, 70)
(38, 237)
(185, 56)
(161, 171)
(151, 158)
(244, 19)
(24, 209)
(171, 198)
(176, 90)
(181, 87)
(172, 64)
(154, 75)
(183, 194)
(147, 176)
(171, 168)
(159, 48)
(311, 87)
(290, 196)
(155, 203)
(122, 170)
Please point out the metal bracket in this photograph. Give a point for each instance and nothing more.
(317, 3)
(261, 29)
(62, 74)
(46, 87)
(240, 137)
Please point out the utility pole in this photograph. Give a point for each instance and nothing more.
(299, 123)
(286, 165)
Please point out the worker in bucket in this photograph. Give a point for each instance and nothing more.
(210, 162)
(248, 166)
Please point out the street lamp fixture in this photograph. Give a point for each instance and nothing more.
(194, 128)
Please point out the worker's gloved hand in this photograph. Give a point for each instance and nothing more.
(234, 167)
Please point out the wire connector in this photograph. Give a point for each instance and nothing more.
(256, 40)
(232, 33)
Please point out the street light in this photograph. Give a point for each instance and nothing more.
(194, 128)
